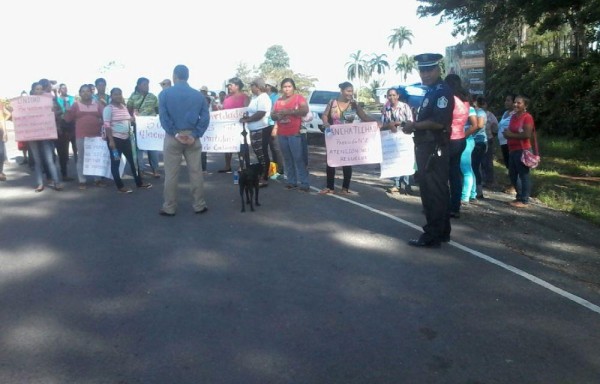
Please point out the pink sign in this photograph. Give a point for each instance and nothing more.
(353, 144)
(33, 118)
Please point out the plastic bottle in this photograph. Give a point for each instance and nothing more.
(116, 155)
(236, 177)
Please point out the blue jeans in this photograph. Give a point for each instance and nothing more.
(467, 170)
(152, 160)
(293, 158)
(42, 152)
(519, 176)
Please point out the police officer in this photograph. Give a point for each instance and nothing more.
(431, 135)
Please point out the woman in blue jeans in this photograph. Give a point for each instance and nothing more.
(42, 152)
(287, 112)
(518, 135)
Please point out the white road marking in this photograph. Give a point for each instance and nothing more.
(576, 299)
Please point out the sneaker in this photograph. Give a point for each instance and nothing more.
(145, 185)
(124, 190)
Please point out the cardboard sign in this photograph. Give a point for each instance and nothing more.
(33, 118)
(398, 154)
(150, 134)
(96, 159)
(224, 133)
(353, 144)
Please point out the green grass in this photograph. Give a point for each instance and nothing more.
(568, 177)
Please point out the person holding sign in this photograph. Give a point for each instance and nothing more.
(144, 103)
(117, 123)
(184, 116)
(42, 152)
(342, 110)
(87, 115)
(431, 137)
(394, 112)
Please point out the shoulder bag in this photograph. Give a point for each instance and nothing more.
(531, 159)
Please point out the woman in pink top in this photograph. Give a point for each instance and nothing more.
(460, 115)
(235, 99)
(87, 115)
(117, 123)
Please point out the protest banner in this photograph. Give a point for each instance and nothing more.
(96, 159)
(353, 144)
(33, 118)
(150, 135)
(398, 154)
(224, 133)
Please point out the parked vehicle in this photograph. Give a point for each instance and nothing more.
(317, 102)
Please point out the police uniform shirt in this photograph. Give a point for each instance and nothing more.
(437, 106)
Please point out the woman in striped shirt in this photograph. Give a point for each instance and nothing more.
(117, 124)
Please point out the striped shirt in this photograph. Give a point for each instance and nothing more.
(118, 119)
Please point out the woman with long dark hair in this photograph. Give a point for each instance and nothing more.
(342, 110)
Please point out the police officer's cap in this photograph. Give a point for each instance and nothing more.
(428, 60)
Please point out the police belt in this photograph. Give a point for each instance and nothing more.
(430, 136)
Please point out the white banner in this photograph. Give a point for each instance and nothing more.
(398, 154)
(150, 135)
(353, 144)
(96, 159)
(224, 133)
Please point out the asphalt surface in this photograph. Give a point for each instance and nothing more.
(96, 287)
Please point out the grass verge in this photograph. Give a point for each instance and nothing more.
(568, 177)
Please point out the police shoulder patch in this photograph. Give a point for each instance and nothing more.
(442, 102)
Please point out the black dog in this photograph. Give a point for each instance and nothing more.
(249, 178)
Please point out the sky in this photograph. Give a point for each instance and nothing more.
(71, 41)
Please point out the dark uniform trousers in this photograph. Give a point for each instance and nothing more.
(434, 190)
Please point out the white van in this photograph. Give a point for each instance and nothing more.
(317, 102)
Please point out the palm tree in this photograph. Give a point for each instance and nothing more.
(405, 65)
(377, 63)
(358, 67)
(399, 37)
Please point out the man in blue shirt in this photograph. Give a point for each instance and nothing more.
(184, 116)
(431, 136)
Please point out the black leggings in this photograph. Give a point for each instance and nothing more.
(257, 140)
(347, 170)
(124, 147)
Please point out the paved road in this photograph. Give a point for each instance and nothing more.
(96, 287)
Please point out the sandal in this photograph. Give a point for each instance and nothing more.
(326, 191)
(39, 188)
(392, 190)
(345, 191)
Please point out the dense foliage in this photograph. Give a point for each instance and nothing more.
(547, 50)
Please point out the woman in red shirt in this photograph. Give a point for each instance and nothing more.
(287, 113)
(517, 134)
